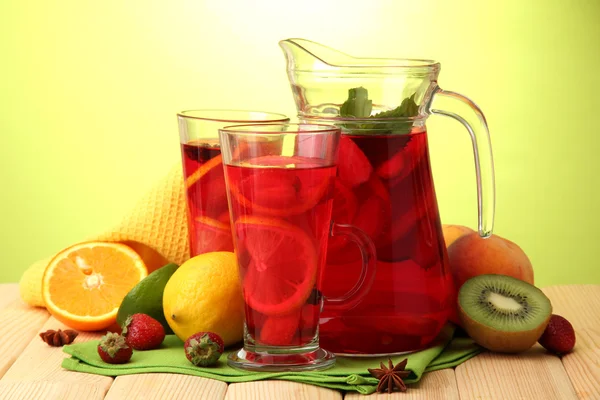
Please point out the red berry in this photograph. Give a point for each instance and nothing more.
(203, 349)
(559, 336)
(114, 349)
(143, 332)
(280, 331)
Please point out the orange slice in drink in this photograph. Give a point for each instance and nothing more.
(278, 262)
(211, 235)
(206, 191)
(273, 191)
(83, 285)
(203, 170)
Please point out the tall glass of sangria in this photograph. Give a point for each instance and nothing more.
(206, 199)
(280, 181)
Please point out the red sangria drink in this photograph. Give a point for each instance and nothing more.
(206, 198)
(281, 208)
(280, 183)
(384, 186)
(208, 216)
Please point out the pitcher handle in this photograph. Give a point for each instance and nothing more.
(465, 111)
(367, 273)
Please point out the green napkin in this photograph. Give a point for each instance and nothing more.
(349, 373)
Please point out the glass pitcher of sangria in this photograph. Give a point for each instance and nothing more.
(384, 186)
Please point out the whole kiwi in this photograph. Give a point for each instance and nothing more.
(502, 313)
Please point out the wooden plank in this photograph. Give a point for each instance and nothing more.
(161, 386)
(432, 386)
(531, 375)
(42, 363)
(9, 292)
(19, 324)
(49, 391)
(280, 390)
(580, 304)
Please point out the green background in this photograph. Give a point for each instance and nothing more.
(89, 92)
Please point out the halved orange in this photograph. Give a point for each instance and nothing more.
(279, 264)
(83, 285)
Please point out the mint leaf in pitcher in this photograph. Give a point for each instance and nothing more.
(408, 108)
(358, 105)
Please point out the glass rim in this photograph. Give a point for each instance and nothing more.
(260, 129)
(211, 114)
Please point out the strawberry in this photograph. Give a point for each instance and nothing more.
(559, 336)
(203, 349)
(143, 332)
(280, 331)
(113, 349)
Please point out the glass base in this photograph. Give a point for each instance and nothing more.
(318, 359)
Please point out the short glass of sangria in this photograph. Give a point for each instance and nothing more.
(208, 216)
(280, 181)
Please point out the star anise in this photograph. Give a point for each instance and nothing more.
(59, 338)
(390, 377)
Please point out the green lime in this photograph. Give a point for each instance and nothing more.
(147, 297)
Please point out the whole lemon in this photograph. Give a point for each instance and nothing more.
(205, 295)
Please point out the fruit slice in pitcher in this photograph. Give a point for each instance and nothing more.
(354, 167)
(367, 207)
(372, 216)
(280, 264)
(394, 166)
(417, 209)
(271, 190)
(211, 235)
(401, 164)
(375, 209)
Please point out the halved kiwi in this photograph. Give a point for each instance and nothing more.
(502, 313)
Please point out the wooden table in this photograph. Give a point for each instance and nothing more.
(30, 369)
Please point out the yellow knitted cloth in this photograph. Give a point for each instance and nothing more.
(156, 228)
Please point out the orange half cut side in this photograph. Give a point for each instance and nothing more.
(84, 285)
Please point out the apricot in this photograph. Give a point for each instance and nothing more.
(471, 255)
(453, 232)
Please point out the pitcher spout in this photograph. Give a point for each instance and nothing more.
(306, 55)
